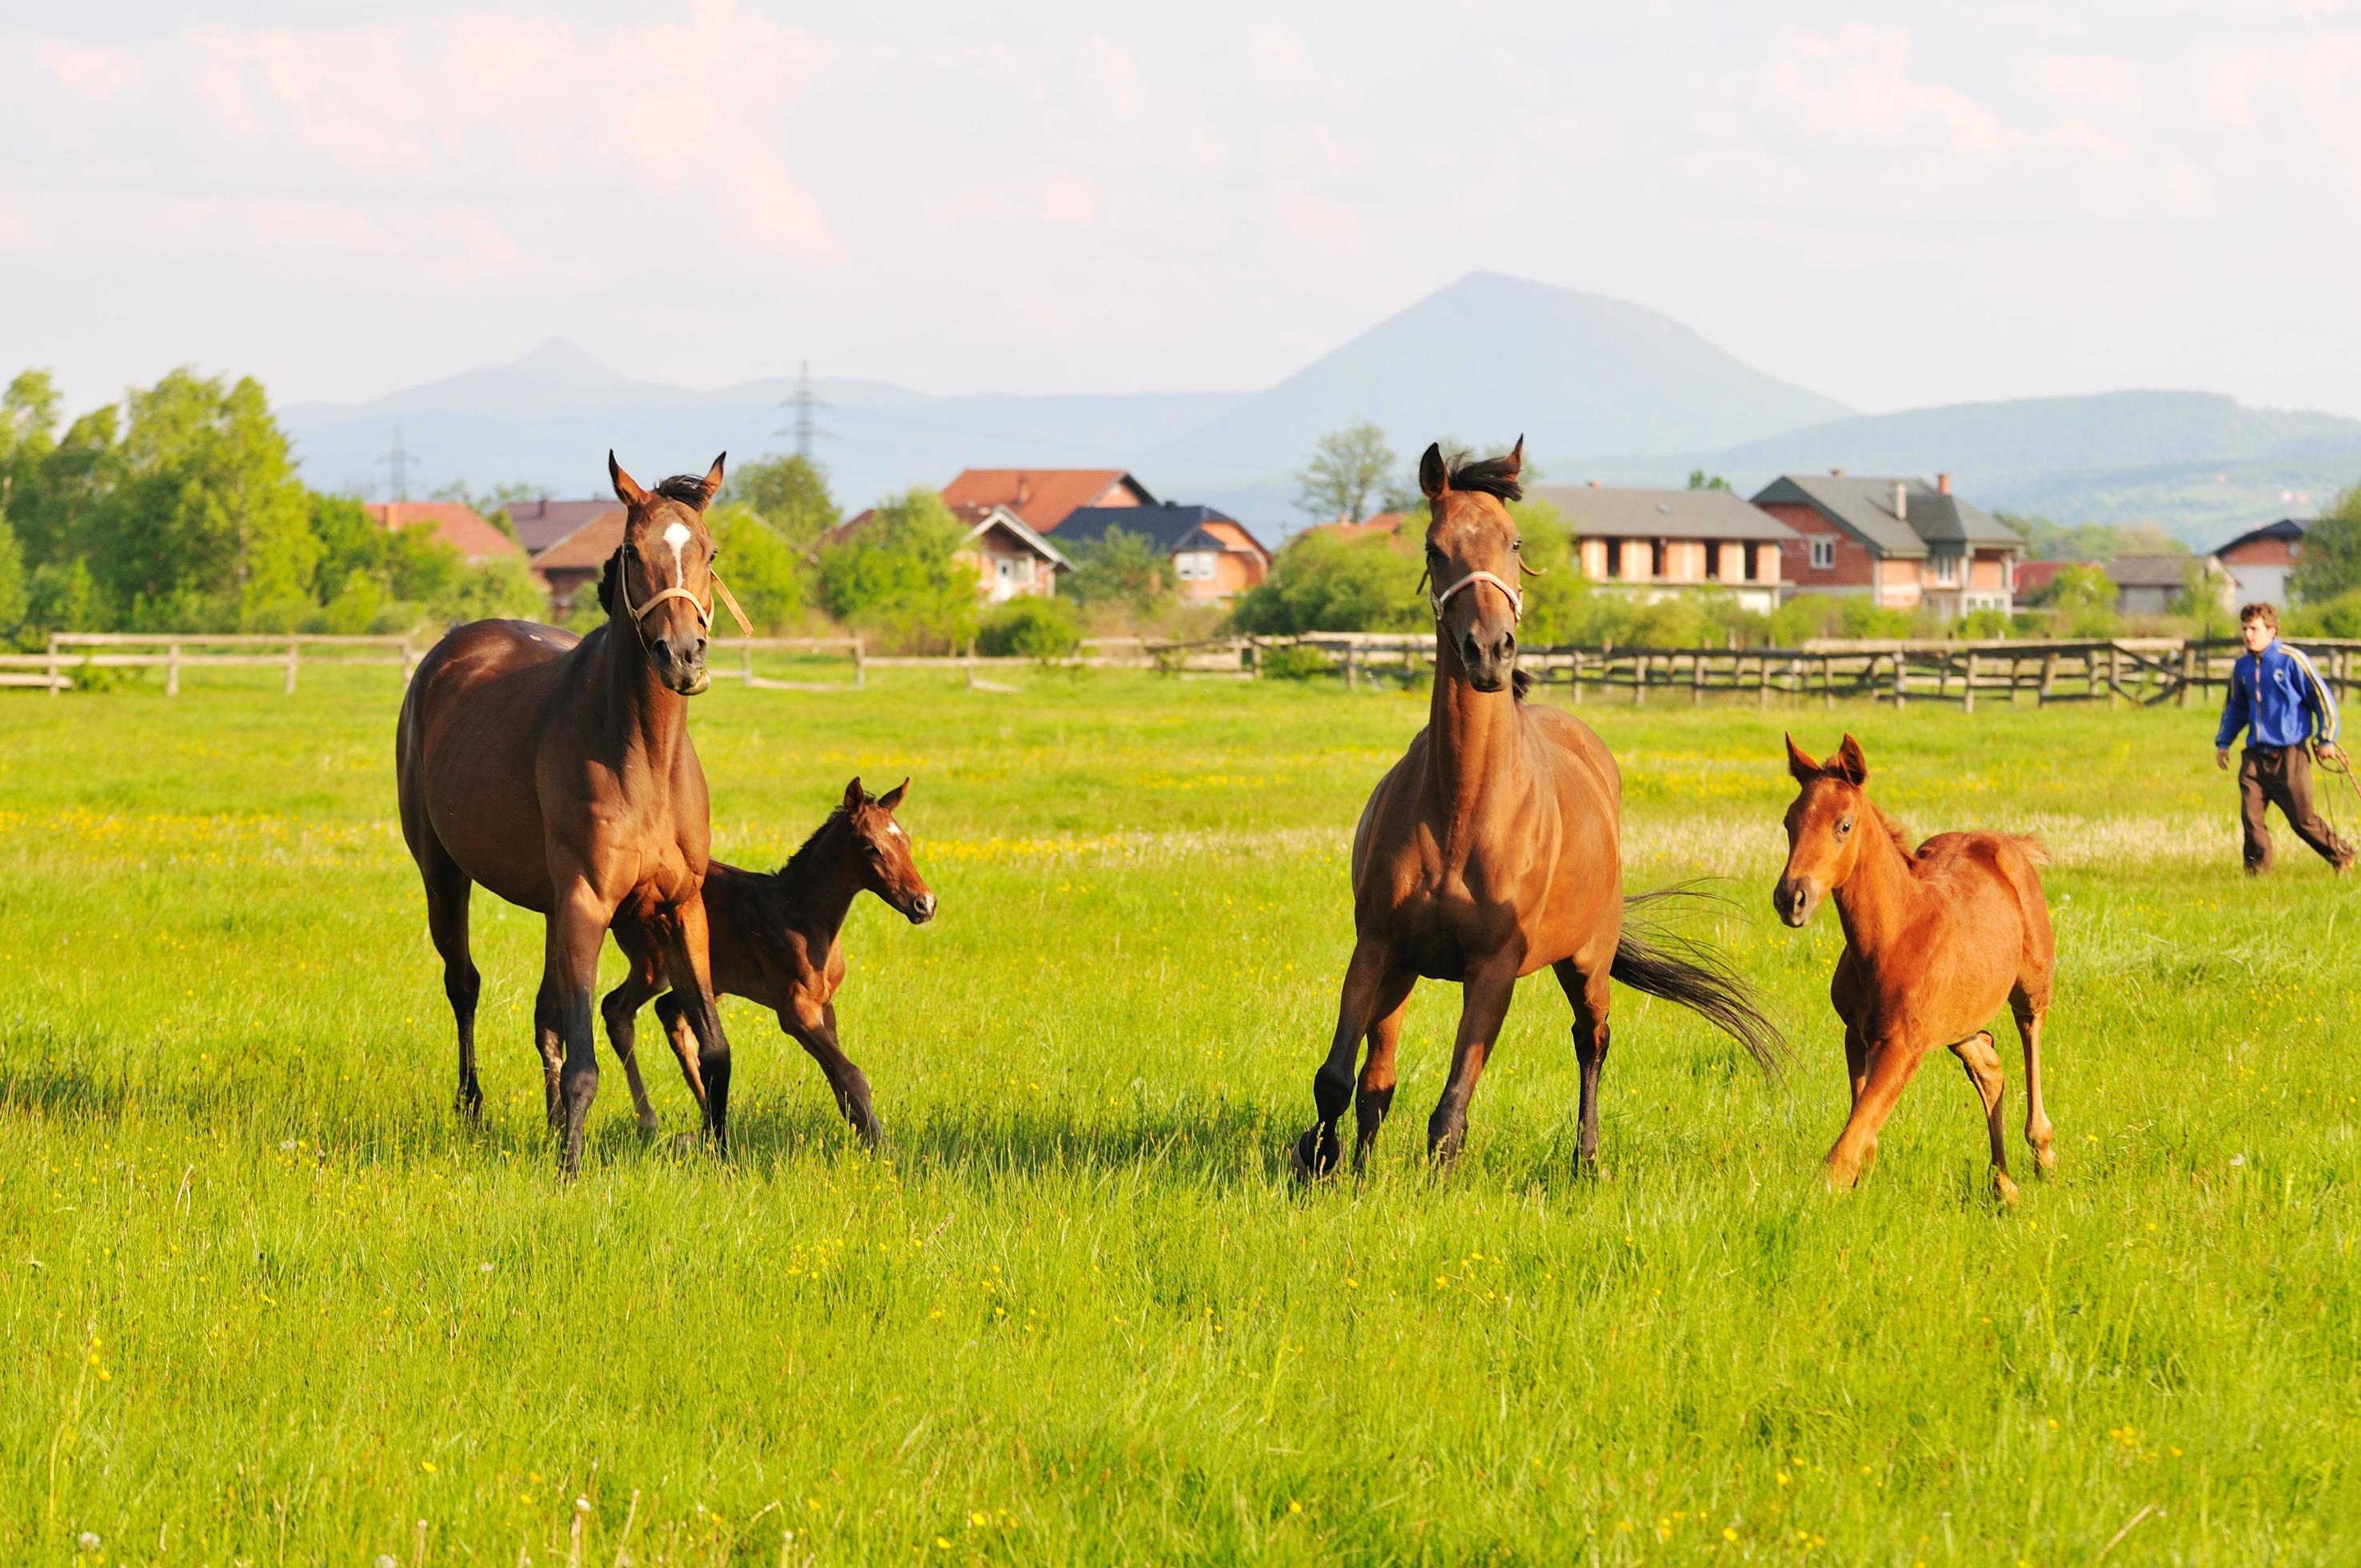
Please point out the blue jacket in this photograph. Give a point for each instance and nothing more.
(2278, 699)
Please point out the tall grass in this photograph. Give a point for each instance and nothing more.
(267, 1299)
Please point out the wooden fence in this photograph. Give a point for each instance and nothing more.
(2146, 671)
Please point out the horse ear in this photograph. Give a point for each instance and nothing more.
(627, 489)
(712, 485)
(1517, 458)
(854, 796)
(893, 797)
(607, 583)
(1433, 477)
(1850, 764)
(1799, 766)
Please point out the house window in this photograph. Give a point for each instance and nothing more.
(1753, 562)
(1656, 558)
(1824, 555)
(1614, 558)
(1947, 568)
(1194, 565)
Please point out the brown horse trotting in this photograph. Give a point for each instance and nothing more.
(559, 774)
(1934, 943)
(774, 940)
(1489, 851)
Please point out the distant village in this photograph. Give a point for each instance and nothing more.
(1904, 542)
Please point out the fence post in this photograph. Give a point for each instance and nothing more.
(1639, 680)
(2048, 677)
(2114, 675)
(53, 663)
(2188, 671)
(1968, 692)
(293, 648)
(1901, 682)
(859, 664)
(1352, 666)
(1577, 667)
(746, 664)
(172, 673)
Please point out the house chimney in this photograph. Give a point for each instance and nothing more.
(1943, 484)
(1836, 473)
(1594, 484)
(1024, 490)
(1900, 501)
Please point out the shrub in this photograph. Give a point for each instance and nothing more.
(1294, 662)
(1044, 629)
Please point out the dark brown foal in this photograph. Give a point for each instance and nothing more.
(772, 939)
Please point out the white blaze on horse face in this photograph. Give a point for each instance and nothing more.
(895, 828)
(676, 536)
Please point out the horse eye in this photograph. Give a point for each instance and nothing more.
(1518, 545)
(1844, 826)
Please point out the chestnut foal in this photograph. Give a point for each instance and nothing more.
(1934, 943)
(772, 939)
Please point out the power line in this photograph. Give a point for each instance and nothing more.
(805, 402)
(399, 460)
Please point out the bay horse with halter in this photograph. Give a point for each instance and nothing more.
(1490, 850)
(774, 940)
(559, 773)
(1935, 941)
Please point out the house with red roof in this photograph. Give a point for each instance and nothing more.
(1041, 498)
(456, 525)
(1009, 558)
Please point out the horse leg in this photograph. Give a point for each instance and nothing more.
(814, 1028)
(1892, 1062)
(1857, 1073)
(549, 1040)
(675, 1019)
(1318, 1150)
(621, 1008)
(1588, 994)
(1374, 1095)
(447, 890)
(688, 965)
(2030, 1017)
(1484, 996)
(578, 929)
(1976, 1054)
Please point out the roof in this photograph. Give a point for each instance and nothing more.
(1171, 529)
(978, 519)
(455, 524)
(588, 547)
(2032, 577)
(1606, 513)
(541, 523)
(1864, 504)
(2150, 571)
(2290, 529)
(1042, 498)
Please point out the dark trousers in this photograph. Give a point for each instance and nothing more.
(2281, 776)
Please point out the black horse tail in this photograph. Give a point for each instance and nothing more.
(1690, 973)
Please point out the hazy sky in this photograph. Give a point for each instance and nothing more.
(1894, 205)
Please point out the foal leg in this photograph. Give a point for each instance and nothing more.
(2030, 1017)
(621, 1008)
(675, 1019)
(1374, 1095)
(684, 940)
(1976, 1054)
(813, 1026)
(1484, 996)
(1857, 1072)
(447, 888)
(1588, 993)
(1318, 1150)
(1892, 1062)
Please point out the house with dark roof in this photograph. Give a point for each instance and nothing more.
(455, 524)
(1042, 499)
(577, 558)
(541, 523)
(2259, 560)
(1901, 541)
(2153, 585)
(1650, 544)
(1213, 556)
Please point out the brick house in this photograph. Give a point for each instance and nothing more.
(455, 524)
(1214, 557)
(1902, 542)
(580, 555)
(1650, 544)
(2259, 560)
(1042, 499)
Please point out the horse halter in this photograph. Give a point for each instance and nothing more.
(704, 611)
(1516, 597)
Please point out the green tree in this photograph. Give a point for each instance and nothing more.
(1320, 582)
(1349, 468)
(2048, 541)
(60, 597)
(901, 573)
(28, 423)
(763, 569)
(13, 588)
(1121, 567)
(1032, 626)
(1700, 480)
(2328, 563)
(789, 493)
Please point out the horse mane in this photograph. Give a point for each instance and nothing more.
(1893, 825)
(799, 864)
(1495, 476)
(687, 489)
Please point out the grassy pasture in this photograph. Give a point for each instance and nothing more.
(266, 1300)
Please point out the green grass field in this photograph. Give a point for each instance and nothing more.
(266, 1300)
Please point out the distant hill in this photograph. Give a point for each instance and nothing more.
(1481, 360)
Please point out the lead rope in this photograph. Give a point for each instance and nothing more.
(2340, 765)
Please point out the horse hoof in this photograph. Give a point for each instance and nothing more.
(1312, 1157)
(2005, 1190)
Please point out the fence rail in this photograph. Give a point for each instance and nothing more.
(2145, 671)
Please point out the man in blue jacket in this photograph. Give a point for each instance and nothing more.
(2282, 703)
